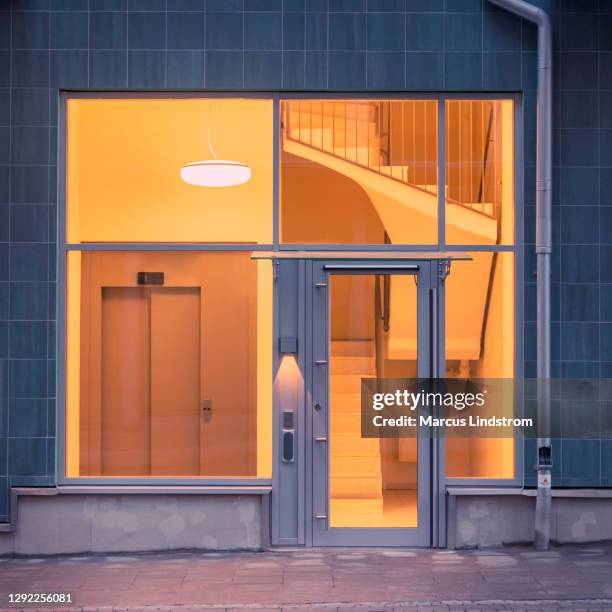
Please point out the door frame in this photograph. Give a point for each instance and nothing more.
(430, 275)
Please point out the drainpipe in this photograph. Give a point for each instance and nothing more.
(543, 255)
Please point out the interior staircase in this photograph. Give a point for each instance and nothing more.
(355, 462)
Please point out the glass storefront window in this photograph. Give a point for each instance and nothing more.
(479, 172)
(480, 343)
(124, 161)
(359, 171)
(169, 364)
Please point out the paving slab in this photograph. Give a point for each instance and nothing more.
(321, 580)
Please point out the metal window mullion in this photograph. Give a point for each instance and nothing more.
(441, 172)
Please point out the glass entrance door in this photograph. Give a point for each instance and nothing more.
(372, 320)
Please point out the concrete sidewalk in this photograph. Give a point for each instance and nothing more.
(573, 578)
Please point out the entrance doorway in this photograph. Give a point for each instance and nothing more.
(370, 320)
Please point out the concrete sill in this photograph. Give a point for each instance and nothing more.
(480, 491)
(17, 492)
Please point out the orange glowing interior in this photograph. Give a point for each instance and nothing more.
(169, 380)
(124, 160)
(372, 482)
(489, 353)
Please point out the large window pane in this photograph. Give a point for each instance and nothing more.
(359, 171)
(124, 161)
(479, 172)
(168, 374)
(480, 344)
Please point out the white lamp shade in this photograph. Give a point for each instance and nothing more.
(215, 173)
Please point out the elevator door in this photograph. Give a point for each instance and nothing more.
(151, 409)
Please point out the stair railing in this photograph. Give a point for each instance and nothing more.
(360, 132)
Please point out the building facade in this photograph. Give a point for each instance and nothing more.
(182, 344)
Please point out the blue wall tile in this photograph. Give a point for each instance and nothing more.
(69, 69)
(4, 300)
(146, 30)
(69, 30)
(577, 32)
(347, 5)
(579, 186)
(347, 31)
(294, 69)
(29, 300)
(29, 262)
(385, 32)
(28, 378)
(146, 69)
(224, 5)
(30, 145)
(4, 335)
(29, 68)
(224, 31)
(263, 69)
(264, 5)
(5, 106)
(4, 224)
(185, 30)
(316, 70)
(294, 5)
(605, 329)
(579, 341)
(502, 32)
(263, 31)
(579, 302)
(578, 70)
(424, 70)
(606, 463)
(27, 456)
(108, 69)
(29, 184)
(224, 69)
(605, 147)
(386, 70)
(424, 32)
(424, 6)
(29, 223)
(605, 70)
(463, 71)
(185, 69)
(30, 30)
(347, 70)
(4, 261)
(579, 224)
(586, 471)
(316, 31)
(30, 106)
(579, 147)
(28, 339)
(294, 31)
(502, 71)
(463, 31)
(573, 259)
(108, 30)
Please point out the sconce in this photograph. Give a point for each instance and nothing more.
(288, 345)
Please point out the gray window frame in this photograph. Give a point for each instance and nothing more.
(63, 248)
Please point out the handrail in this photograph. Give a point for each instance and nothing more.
(360, 126)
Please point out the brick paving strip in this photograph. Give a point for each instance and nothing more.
(377, 580)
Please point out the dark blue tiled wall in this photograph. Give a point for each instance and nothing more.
(426, 45)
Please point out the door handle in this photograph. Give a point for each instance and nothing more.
(321, 439)
(207, 410)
